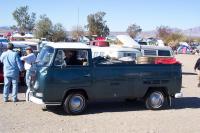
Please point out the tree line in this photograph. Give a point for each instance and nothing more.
(44, 28)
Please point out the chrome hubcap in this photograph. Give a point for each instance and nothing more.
(76, 103)
(156, 99)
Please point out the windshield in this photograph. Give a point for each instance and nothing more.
(45, 56)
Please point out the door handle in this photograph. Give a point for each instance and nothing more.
(87, 75)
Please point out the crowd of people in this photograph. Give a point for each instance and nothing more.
(12, 66)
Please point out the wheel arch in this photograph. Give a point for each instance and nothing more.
(73, 91)
(162, 89)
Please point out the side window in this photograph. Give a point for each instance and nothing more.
(150, 52)
(164, 53)
(82, 57)
(59, 59)
(71, 57)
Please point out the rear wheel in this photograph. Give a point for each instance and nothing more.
(75, 103)
(155, 100)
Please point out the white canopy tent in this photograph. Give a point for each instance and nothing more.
(128, 41)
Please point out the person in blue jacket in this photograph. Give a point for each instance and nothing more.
(11, 67)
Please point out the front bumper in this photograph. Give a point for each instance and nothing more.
(36, 99)
(178, 95)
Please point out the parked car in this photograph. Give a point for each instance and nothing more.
(33, 45)
(166, 61)
(157, 51)
(146, 50)
(100, 43)
(155, 54)
(72, 86)
(147, 53)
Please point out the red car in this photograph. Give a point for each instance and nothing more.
(100, 43)
(166, 61)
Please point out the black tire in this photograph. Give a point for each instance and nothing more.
(79, 105)
(155, 100)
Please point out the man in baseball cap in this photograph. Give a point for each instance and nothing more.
(29, 59)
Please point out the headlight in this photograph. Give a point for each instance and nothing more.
(39, 94)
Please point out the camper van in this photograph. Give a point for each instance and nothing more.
(156, 55)
(156, 51)
(146, 50)
(115, 52)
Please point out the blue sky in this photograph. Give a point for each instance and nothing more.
(120, 14)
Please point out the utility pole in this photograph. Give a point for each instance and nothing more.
(190, 32)
(78, 25)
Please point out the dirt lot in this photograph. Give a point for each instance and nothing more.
(112, 117)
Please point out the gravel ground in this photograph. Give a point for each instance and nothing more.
(110, 117)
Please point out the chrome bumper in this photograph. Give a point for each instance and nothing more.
(178, 95)
(40, 101)
(36, 100)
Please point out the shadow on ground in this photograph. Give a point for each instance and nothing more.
(17, 101)
(102, 107)
(186, 102)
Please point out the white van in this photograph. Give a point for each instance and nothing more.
(146, 50)
(156, 51)
(115, 52)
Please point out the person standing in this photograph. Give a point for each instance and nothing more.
(29, 59)
(11, 67)
(197, 66)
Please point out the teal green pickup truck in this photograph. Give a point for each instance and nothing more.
(67, 75)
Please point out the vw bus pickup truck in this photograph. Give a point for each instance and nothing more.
(67, 75)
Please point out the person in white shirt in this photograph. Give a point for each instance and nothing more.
(29, 59)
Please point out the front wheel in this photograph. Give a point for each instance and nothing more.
(75, 103)
(155, 100)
